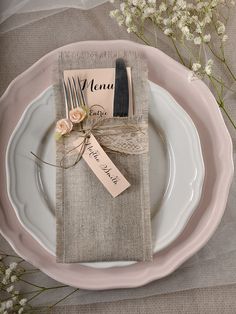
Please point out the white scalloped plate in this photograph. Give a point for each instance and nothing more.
(176, 170)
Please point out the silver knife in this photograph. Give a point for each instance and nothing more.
(121, 94)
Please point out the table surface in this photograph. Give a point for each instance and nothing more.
(19, 49)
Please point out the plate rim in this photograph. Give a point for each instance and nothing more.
(154, 271)
(183, 216)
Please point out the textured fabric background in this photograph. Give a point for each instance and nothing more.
(214, 265)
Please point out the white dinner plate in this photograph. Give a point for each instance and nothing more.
(176, 170)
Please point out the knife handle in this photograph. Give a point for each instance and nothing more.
(121, 93)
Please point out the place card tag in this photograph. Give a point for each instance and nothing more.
(98, 86)
(103, 167)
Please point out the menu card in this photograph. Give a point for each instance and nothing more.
(98, 86)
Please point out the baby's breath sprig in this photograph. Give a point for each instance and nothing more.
(196, 30)
(12, 277)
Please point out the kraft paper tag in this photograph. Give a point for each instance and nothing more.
(98, 86)
(103, 167)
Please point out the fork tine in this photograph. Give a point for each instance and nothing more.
(81, 92)
(76, 92)
(71, 94)
(66, 99)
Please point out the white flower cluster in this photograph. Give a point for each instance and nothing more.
(186, 23)
(175, 18)
(208, 67)
(9, 274)
(200, 70)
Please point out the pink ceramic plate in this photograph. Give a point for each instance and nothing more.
(197, 100)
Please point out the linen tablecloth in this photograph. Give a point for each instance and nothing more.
(19, 49)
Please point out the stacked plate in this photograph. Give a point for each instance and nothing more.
(191, 170)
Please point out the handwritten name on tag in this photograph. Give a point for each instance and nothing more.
(98, 86)
(103, 167)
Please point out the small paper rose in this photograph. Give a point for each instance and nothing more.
(77, 115)
(63, 126)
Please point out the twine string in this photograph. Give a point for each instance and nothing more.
(85, 133)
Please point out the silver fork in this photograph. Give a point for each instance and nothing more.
(73, 94)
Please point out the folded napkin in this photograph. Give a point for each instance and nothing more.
(93, 226)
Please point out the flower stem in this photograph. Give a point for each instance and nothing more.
(143, 38)
(230, 71)
(30, 271)
(63, 298)
(223, 60)
(228, 116)
(30, 292)
(9, 255)
(215, 54)
(37, 294)
(56, 287)
(221, 104)
(225, 86)
(216, 90)
(177, 51)
(21, 261)
(32, 284)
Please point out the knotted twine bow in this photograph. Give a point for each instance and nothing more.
(126, 138)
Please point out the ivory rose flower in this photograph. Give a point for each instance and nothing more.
(63, 126)
(77, 115)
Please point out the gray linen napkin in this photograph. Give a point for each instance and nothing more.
(93, 226)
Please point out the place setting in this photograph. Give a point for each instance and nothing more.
(112, 167)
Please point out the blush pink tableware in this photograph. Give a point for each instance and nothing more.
(200, 104)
